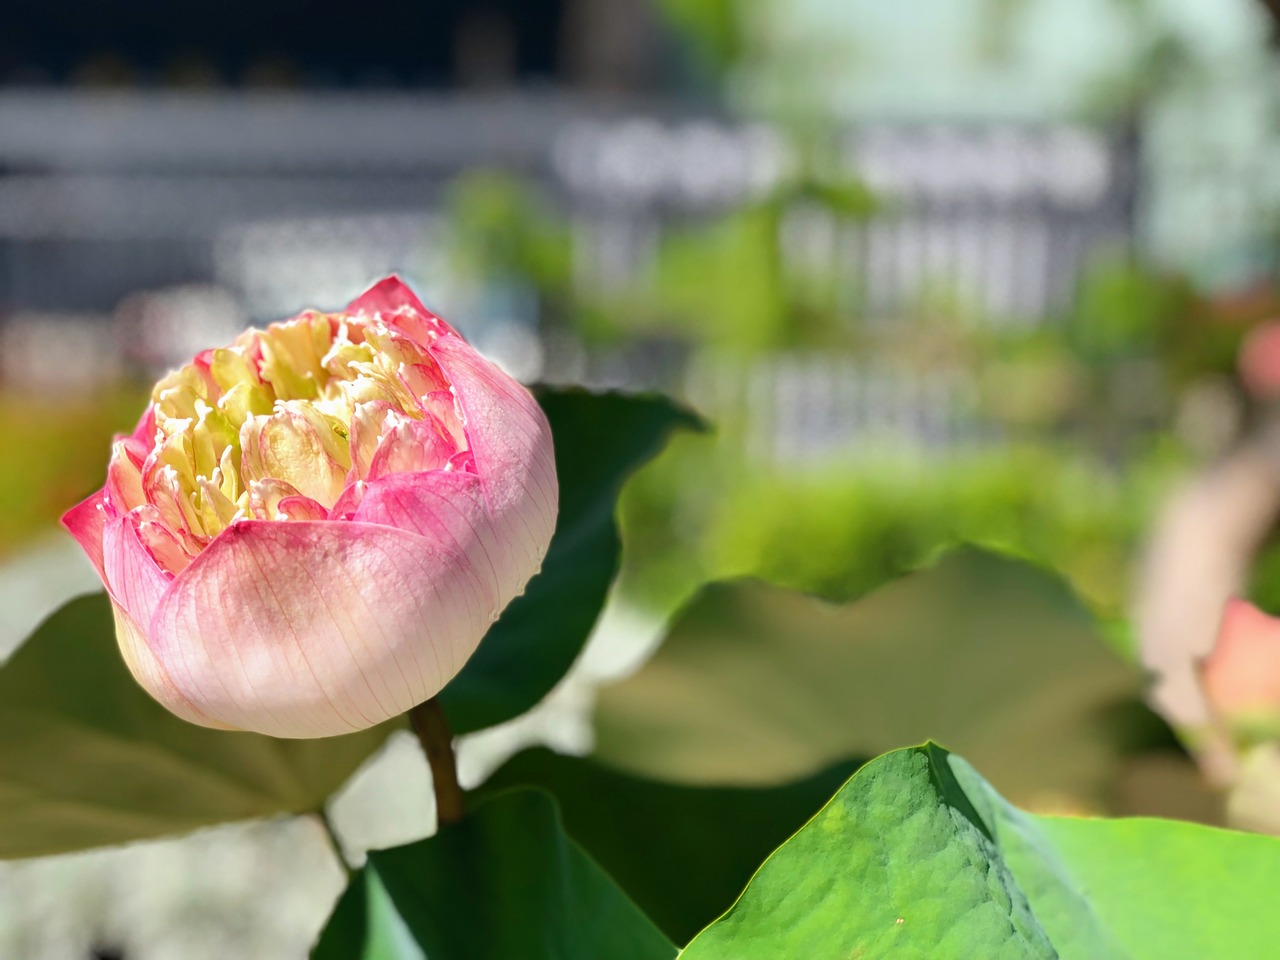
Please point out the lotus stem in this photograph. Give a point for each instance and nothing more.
(432, 728)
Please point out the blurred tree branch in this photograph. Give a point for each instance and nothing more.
(1273, 11)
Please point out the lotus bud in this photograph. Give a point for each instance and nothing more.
(311, 529)
(1241, 676)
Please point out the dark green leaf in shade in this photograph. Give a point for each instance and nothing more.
(681, 853)
(918, 857)
(600, 439)
(347, 929)
(760, 684)
(365, 925)
(505, 883)
(87, 758)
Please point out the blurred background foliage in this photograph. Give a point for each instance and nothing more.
(1072, 421)
(64, 440)
(976, 273)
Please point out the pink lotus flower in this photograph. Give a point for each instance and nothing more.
(311, 529)
(1259, 361)
(1241, 676)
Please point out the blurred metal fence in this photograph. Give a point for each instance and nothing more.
(1007, 215)
(272, 201)
(802, 410)
(104, 194)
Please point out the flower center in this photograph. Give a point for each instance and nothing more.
(282, 425)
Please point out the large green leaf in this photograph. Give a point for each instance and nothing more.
(365, 925)
(918, 857)
(87, 758)
(760, 684)
(600, 440)
(682, 853)
(504, 883)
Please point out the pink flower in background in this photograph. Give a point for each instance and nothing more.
(1259, 361)
(1241, 676)
(311, 529)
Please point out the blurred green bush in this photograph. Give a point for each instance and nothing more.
(56, 454)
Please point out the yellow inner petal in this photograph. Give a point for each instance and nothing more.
(272, 414)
